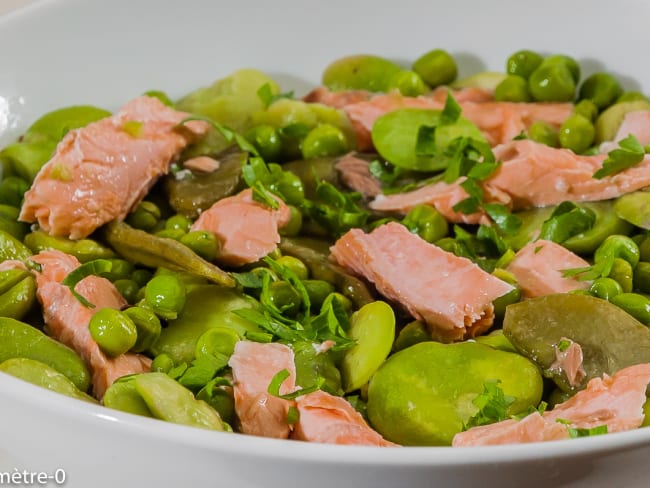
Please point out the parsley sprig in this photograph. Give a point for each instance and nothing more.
(629, 153)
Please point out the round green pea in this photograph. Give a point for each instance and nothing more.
(178, 222)
(291, 187)
(637, 305)
(552, 83)
(324, 140)
(121, 269)
(540, 131)
(601, 88)
(148, 327)
(165, 295)
(128, 289)
(295, 265)
(342, 300)
(145, 217)
(318, 291)
(114, 332)
(266, 140)
(175, 234)
(523, 63)
(408, 83)
(436, 67)
(427, 222)
(285, 297)
(605, 288)
(577, 133)
(568, 61)
(141, 276)
(587, 108)
(513, 88)
(292, 228)
(641, 279)
(203, 243)
(622, 271)
(162, 363)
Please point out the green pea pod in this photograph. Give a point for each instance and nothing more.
(18, 339)
(9, 222)
(84, 250)
(196, 191)
(17, 293)
(40, 374)
(206, 306)
(142, 248)
(312, 365)
(12, 248)
(423, 395)
(321, 268)
(168, 400)
(610, 338)
(123, 396)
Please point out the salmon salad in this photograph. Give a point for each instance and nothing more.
(401, 256)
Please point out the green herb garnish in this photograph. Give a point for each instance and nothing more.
(281, 376)
(629, 153)
(97, 267)
(492, 405)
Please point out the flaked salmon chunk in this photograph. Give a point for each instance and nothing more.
(539, 265)
(101, 172)
(246, 229)
(616, 402)
(67, 318)
(253, 367)
(450, 293)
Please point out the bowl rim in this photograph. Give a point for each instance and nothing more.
(86, 413)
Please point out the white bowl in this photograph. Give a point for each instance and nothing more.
(55, 53)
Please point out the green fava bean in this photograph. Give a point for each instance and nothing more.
(114, 332)
(641, 277)
(123, 396)
(147, 325)
(637, 305)
(84, 250)
(26, 158)
(411, 334)
(217, 340)
(576, 133)
(512, 89)
(540, 131)
(436, 67)
(610, 119)
(485, 80)
(360, 72)
(601, 88)
(165, 295)
(408, 83)
(203, 243)
(17, 293)
(427, 222)
(322, 141)
(312, 364)
(12, 248)
(40, 374)
(19, 340)
(605, 288)
(372, 328)
(552, 83)
(9, 222)
(207, 306)
(395, 136)
(523, 63)
(430, 387)
(168, 400)
(610, 338)
(12, 189)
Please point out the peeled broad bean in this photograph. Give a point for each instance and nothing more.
(17, 293)
(360, 72)
(423, 395)
(609, 120)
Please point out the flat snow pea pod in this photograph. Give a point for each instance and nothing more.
(40, 374)
(395, 136)
(123, 396)
(313, 363)
(142, 248)
(610, 338)
(206, 306)
(12, 248)
(423, 395)
(372, 328)
(315, 256)
(360, 72)
(610, 119)
(192, 191)
(18, 339)
(230, 100)
(84, 250)
(168, 400)
(17, 293)
(9, 221)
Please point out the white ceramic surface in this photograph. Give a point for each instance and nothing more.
(59, 52)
